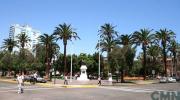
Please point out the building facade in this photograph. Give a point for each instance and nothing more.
(33, 35)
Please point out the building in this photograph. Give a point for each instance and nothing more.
(33, 34)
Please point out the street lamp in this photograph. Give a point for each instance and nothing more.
(54, 65)
(99, 60)
(71, 63)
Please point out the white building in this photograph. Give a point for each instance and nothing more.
(33, 34)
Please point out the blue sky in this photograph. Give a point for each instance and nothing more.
(86, 16)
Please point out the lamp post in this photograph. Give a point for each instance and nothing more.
(71, 63)
(54, 65)
(99, 73)
(71, 69)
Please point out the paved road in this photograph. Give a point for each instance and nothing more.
(139, 92)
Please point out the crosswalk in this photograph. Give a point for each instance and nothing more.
(15, 88)
(132, 89)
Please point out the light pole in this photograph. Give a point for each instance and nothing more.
(71, 63)
(99, 73)
(54, 65)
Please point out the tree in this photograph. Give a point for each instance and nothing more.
(9, 44)
(23, 40)
(164, 36)
(120, 59)
(143, 37)
(173, 48)
(108, 37)
(7, 61)
(153, 61)
(126, 42)
(65, 32)
(50, 49)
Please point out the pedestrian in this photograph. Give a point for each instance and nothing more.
(65, 80)
(35, 77)
(20, 79)
(99, 80)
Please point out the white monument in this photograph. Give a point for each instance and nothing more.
(110, 77)
(83, 76)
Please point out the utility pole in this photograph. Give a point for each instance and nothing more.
(99, 60)
(71, 62)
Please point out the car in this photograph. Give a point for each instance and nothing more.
(177, 78)
(27, 78)
(163, 80)
(171, 79)
(41, 80)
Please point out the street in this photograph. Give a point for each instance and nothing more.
(8, 91)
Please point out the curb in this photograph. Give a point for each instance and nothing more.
(13, 81)
(67, 86)
(54, 85)
(80, 86)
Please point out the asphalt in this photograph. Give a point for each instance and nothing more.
(8, 91)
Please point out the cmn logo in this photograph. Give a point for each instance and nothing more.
(165, 95)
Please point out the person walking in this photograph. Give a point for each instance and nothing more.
(65, 80)
(99, 80)
(35, 77)
(20, 79)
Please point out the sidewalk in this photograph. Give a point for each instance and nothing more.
(83, 84)
(59, 83)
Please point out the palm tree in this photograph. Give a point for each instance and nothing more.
(154, 51)
(164, 36)
(107, 39)
(65, 32)
(9, 44)
(50, 48)
(143, 37)
(23, 40)
(154, 63)
(126, 42)
(173, 48)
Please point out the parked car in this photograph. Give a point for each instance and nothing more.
(167, 80)
(171, 79)
(40, 79)
(177, 78)
(27, 78)
(31, 79)
(163, 80)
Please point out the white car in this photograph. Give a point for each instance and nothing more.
(41, 80)
(171, 80)
(163, 80)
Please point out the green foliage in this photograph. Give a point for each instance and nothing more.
(164, 38)
(65, 32)
(9, 44)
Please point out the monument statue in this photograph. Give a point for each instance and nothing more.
(83, 75)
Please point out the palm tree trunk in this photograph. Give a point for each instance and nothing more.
(47, 64)
(174, 64)
(165, 62)
(108, 58)
(65, 64)
(144, 62)
(122, 75)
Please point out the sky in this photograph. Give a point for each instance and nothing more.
(86, 17)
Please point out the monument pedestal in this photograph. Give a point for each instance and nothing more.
(110, 77)
(83, 75)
